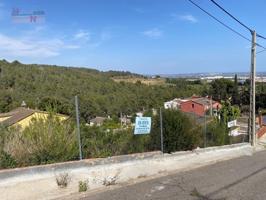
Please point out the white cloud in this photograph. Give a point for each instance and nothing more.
(72, 46)
(154, 33)
(25, 47)
(37, 44)
(82, 35)
(189, 18)
(91, 40)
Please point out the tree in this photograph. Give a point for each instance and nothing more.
(260, 101)
(229, 112)
(221, 89)
(235, 95)
(42, 86)
(180, 133)
(5, 101)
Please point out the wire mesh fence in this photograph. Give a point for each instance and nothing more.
(170, 131)
(49, 140)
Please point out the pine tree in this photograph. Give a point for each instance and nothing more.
(236, 96)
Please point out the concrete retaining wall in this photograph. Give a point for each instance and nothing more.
(39, 182)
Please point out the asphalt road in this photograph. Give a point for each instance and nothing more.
(241, 178)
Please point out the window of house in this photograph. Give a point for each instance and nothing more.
(192, 105)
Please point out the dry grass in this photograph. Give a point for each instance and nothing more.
(146, 81)
(112, 180)
(63, 180)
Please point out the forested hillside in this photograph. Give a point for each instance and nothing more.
(42, 86)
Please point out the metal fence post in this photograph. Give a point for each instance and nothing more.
(161, 126)
(78, 127)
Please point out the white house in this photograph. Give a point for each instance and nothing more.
(173, 104)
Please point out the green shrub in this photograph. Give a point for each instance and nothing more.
(44, 141)
(7, 161)
(97, 142)
(179, 132)
(217, 134)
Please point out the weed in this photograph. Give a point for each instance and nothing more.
(83, 186)
(62, 180)
(142, 176)
(111, 180)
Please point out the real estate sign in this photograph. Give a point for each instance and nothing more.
(231, 123)
(142, 125)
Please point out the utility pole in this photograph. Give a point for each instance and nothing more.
(252, 114)
(78, 126)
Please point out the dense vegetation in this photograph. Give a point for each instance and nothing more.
(238, 93)
(42, 86)
(50, 141)
(51, 87)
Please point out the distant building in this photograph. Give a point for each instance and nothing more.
(195, 104)
(174, 104)
(200, 105)
(97, 121)
(261, 122)
(22, 117)
(124, 120)
(140, 114)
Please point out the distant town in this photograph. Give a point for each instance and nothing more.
(242, 76)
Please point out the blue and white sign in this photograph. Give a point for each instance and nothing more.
(142, 125)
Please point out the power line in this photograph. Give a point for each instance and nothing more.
(241, 23)
(261, 51)
(252, 114)
(231, 15)
(228, 27)
(260, 46)
(264, 49)
(261, 36)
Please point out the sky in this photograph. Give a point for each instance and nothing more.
(142, 36)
